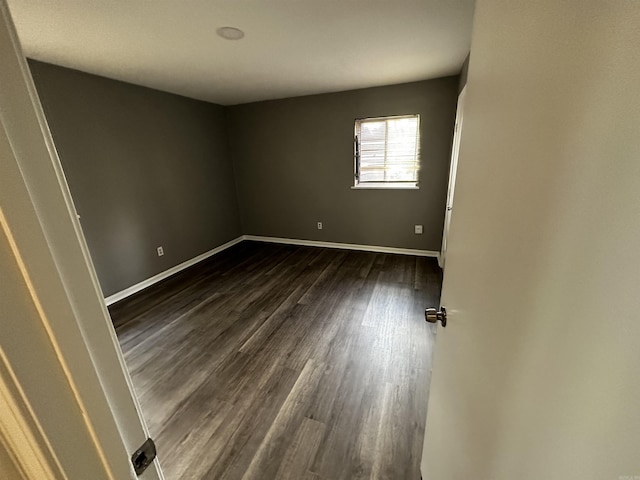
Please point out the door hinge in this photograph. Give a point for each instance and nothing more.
(143, 457)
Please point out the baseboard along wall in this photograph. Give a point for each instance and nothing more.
(111, 299)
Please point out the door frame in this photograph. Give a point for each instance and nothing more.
(453, 169)
(40, 221)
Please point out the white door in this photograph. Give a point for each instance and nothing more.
(537, 373)
(56, 339)
(453, 169)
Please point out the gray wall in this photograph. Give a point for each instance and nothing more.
(148, 168)
(293, 160)
(145, 168)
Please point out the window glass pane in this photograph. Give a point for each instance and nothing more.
(373, 138)
(401, 150)
(388, 149)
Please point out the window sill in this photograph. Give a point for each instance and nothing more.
(386, 186)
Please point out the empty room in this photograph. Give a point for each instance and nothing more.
(264, 208)
(229, 247)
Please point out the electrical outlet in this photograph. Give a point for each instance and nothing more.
(418, 229)
(160, 251)
(319, 225)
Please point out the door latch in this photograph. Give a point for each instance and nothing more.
(143, 457)
(432, 315)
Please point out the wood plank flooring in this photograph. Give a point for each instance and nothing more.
(284, 362)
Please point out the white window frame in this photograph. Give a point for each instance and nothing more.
(406, 185)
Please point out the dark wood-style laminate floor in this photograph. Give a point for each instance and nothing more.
(284, 362)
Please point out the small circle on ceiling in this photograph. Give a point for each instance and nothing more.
(230, 33)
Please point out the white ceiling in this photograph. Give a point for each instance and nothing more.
(290, 48)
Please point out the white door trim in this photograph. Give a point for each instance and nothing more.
(453, 169)
(40, 220)
(20, 431)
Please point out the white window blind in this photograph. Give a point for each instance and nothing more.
(387, 150)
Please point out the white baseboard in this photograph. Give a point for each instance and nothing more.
(345, 246)
(111, 299)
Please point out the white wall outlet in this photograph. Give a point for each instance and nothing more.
(160, 251)
(319, 225)
(418, 229)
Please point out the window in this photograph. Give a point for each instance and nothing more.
(387, 152)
